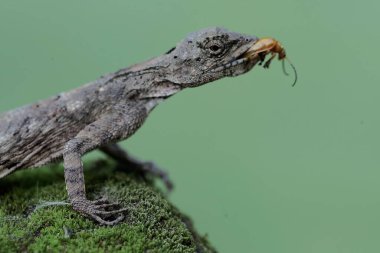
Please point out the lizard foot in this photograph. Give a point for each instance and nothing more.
(99, 210)
(153, 169)
(149, 169)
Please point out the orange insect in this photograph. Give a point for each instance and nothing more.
(265, 46)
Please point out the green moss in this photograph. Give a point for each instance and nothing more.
(152, 223)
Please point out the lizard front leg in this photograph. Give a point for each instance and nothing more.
(109, 128)
(120, 155)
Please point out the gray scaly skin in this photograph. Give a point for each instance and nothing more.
(112, 108)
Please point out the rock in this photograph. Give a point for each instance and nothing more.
(28, 223)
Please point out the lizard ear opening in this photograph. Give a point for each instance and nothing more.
(170, 50)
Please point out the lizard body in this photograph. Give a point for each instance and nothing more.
(112, 108)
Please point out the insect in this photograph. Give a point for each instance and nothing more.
(265, 46)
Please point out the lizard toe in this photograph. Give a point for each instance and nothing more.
(107, 213)
(101, 221)
(152, 168)
(98, 212)
(109, 205)
(102, 200)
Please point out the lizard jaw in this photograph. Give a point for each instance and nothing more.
(239, 64)
(230, 64)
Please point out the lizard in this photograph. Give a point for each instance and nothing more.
(112, 108)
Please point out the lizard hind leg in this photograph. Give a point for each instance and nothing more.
(135, 165)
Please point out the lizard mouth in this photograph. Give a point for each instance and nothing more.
(231, 64)
(239, 64)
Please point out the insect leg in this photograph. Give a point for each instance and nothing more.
(267, 63)
(261, 57)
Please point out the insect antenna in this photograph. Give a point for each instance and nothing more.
(295, 71)
(284, 69)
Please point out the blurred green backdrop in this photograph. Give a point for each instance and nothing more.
(259, 165)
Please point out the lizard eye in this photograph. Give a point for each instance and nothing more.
(215, 48)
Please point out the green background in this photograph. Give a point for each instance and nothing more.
(259, 165)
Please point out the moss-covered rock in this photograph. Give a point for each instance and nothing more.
(152, 223)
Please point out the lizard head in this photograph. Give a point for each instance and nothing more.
(208, 55)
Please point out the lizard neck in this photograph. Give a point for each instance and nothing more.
(147, 80)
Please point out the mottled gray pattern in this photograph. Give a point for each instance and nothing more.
(112, 108)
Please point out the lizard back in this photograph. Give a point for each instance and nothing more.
(34, 135)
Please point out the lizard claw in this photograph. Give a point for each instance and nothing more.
(102, 200)
(104, 203)
(98, 210)
(107, 223)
